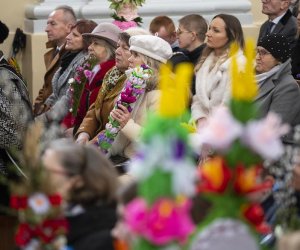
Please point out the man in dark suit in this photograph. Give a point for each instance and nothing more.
(280, 20)
(59, 25)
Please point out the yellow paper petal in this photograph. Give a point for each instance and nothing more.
(244, 86)
(174, 89)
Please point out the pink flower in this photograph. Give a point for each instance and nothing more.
(164, 222)
(220, 130)
(127, 96)
(263, 136)
(125, 25)
(135, 215)
(88, 74)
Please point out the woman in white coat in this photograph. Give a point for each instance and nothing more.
(213, 71)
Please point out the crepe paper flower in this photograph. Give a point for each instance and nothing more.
(18, 202)
(214, 176)
(166, 221)
(50, 229)
(135, 215)
(263, 136)
(254, 213)
(39, 203)
(243, 83)
(55, 199)
(23, 235)
(247, 180)
(190, 127)
(174, 89)
(120, 245)
(135, 86)
(83, 74)
(219, 132)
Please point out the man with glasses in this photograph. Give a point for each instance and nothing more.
(280, 20)
(164, 27)
(191, 35)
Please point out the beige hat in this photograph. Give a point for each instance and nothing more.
(151, 46)
(106, 31)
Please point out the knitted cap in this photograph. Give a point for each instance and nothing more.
(106, 31)
(151, 46)
(277, 45)
(3, 32)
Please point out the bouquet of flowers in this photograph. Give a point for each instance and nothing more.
(241, 143)
(160, 216)
(83, 74)
(35, 201)
(125, 14)
(135, 86)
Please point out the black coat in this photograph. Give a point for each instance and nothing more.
(91, 230)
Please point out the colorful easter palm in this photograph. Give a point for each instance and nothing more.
(241, 142)
(165, 171)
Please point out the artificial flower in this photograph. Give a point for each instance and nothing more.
(243, 84)
(18, 202)
(83, 74)
(254, 213)
(55, 199)
(166, 221)
(23, 235)
(247, 180)
(263, 136)
(219, 132)
(135, 86)
(174, 89)
(214, 176)
(39, 203)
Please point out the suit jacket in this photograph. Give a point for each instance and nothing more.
(52, 64)
(280, 93)
(287, 26)
(97, 115)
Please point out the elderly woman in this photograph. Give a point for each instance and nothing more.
(103, 42)
(278, 91)
(213, 71)
(145, 50)
(113, 82)
(87, 182)
(57, 102)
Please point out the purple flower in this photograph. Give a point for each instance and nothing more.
(179, 149)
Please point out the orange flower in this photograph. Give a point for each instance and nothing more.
(214, 176)
(247, 180)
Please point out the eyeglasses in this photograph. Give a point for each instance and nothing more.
(179, 31)
(262, 52)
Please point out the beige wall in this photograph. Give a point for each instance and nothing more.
(31, 60)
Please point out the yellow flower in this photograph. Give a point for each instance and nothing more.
(174, 89)
(244, 86)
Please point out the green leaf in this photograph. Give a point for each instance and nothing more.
(158, 185)
(243, 110)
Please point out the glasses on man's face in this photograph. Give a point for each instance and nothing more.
(179, 31)
(262, 52)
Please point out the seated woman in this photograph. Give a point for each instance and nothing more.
(57, 102)
(103, 42)
(213, 71)
(278, 91)
(113, 82)
(145, 50)
(88, 182)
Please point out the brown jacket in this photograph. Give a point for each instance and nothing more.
(52, 64)
(97, 115)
